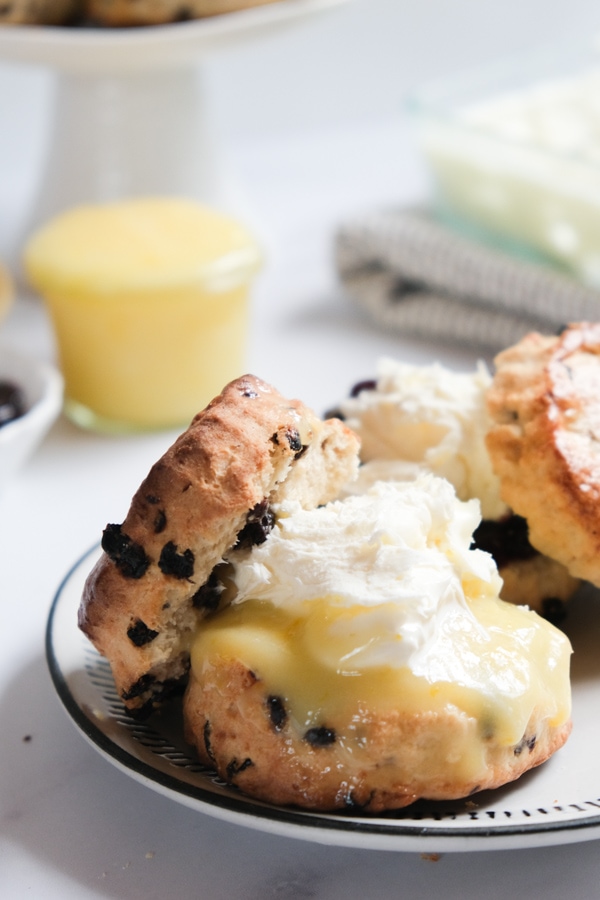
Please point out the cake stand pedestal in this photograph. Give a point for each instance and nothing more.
(130, 134)
(131, 116)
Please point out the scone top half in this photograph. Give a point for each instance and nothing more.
(545, 442)
(217, 487)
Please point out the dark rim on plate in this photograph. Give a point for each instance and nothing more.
(247, 808)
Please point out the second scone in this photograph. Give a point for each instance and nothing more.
(126, 13)
(545, 442)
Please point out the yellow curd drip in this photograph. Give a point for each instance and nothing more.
(498, 672)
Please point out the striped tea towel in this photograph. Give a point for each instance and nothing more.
(416, 276)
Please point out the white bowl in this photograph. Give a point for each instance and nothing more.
(42, 386)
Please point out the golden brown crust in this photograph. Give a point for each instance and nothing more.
(140, 604)
(397, 759)
(545, 442)
(120, 13)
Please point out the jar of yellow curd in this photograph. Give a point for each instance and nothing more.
(149, 303)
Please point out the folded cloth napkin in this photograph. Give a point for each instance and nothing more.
(416, 276)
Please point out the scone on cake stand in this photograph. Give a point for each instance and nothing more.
(130, 115)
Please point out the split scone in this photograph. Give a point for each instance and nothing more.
(414, 417)
(121, 13)
(545, 442)
(364, 660)
(217, 488)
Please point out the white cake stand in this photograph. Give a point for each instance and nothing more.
(130, 115)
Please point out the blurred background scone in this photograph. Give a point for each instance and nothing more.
(157, 12)
(39, 12)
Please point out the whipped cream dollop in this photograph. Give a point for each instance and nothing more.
(431, 417)
(388, 574)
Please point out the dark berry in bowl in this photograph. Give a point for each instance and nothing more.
(12, 402)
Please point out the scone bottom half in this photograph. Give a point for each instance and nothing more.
(367, 661)
(215, 489)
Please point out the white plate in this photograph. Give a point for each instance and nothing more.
(557, 803)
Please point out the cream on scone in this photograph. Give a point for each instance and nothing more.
(39, 12)
(365, 660)
(429, 417)
(216, 488)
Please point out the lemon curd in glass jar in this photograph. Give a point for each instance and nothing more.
(149, 303)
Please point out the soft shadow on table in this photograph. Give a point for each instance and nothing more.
(73, 812)
(334, 316)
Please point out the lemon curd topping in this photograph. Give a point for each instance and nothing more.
(376, 606)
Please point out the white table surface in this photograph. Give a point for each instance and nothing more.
(72, 826)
